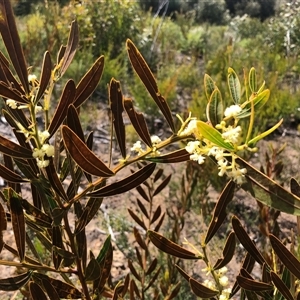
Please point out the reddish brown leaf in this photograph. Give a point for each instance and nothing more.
(287, 257)
(138, 122)
(18, 225)
(12, 149)
(54, 180)
(83, 156)
(152, 266)
(82, 221)
(3, 225)
(158, 225)
(162, 185)
(133, 271)
(156, 214)
(11, 176)
(219, 214)
(282, 288)
(142, 193)
(246, 241)
(143, 71)
(174, 291)
(169, 247)
(295, 187)
(36, 291)
(89, 82)
(139, 239)
(253, 285)
(139, 257)
(134, 289)
(73, 122)
(228, 252)
(12, 93)
(71, 47)
(201, 290)
(45, 76)
(14, 283)
(137, 219)
(143, 208)
(50, 290)
(67, 97)
(173, 157)
(153, 279)
(126, 184)
(158, 174)
(11, 39)
(58, 242)
(116, 107)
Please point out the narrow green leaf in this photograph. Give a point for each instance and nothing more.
(89, 82)
(219, 213)
(209, 86)
(252, 80)
(286, 256)
(143, 71)
(116, 106)
(126, 184)
(201, 290)
(246, 241)
(14, 283)
(258, 102)
(213, 135)
(83, 156)
(264, 134)
(268, 192)
(18, 225)
(234, 86)
(11, 39)
(169, 247)
(214, 108)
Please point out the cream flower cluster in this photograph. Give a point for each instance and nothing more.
(137, 146)
(223, 280)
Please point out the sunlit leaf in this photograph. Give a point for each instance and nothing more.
(213, 135)
(252, 80)
(234, 86)
(169, 247)
(11, 39)
(143, 71)
(83, 156)
(264, 134)
(219, 213)
(209, 86)
(214, 108)
(125, 184)
(116, 106)
(18, 224)
(258, 102)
